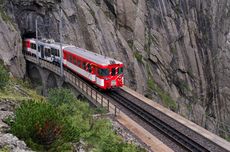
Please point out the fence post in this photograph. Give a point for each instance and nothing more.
(91, 92)
(115, 110)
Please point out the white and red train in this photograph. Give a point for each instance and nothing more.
(102, 71)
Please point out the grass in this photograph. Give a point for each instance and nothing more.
(18, 90)
(5, 149)
(138, 56)
(227, 138)
(3, 14)
(165, 97)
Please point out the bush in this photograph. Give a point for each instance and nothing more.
(4, 77)
(104, 139)
(40, 125)
(61, 96)
(76, 113)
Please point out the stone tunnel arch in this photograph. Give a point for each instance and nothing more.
(51, 81)
(35, 76)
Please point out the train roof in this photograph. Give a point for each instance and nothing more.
(94, 57)
(55, 45)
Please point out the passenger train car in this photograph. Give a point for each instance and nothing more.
(104, 72)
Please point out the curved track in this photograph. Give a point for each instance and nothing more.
(158, 124)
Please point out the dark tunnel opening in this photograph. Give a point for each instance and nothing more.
(28, 35)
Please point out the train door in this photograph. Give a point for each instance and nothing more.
(42, 51)
(47, 51)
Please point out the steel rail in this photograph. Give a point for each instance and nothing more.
(158, 124)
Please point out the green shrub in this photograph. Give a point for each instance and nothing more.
(76, 113)
(40, 125)
(4, 77)
(60, 96)
(103, 138)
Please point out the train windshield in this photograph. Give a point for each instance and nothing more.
(113, 72)
(120, 70)
(103, 72)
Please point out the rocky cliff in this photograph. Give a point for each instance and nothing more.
(174, 51)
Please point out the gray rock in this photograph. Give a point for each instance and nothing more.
(13, 143)
(6, 139)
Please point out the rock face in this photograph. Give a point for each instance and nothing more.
(11, 45)
(8, 141)
(172, 50)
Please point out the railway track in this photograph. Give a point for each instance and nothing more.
(158, 124)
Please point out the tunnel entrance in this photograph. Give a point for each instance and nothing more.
(28, 34)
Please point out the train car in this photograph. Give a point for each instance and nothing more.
(104, 72)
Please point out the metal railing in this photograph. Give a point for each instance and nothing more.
(88, 91)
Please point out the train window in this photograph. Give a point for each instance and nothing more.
(58, 52)
(103, 72)
(74, 61)
(39, 48)
(53, 51)
(33, 46)
(47, 52)
(70, 58)
(79, 63)
(89, 68)
(84, 65)
(113, 72)
(120, 70)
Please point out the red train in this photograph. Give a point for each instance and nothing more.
(102, 71)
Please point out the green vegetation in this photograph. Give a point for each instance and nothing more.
(166, 99)
(3, 14)
(173, 49)
(5, 149)
(18, 90)
(138, 56)
(227, 138)
(40, 125)
(4, 77)
(62, 120)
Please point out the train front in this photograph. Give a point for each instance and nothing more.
(116, 77)
(113, 76)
